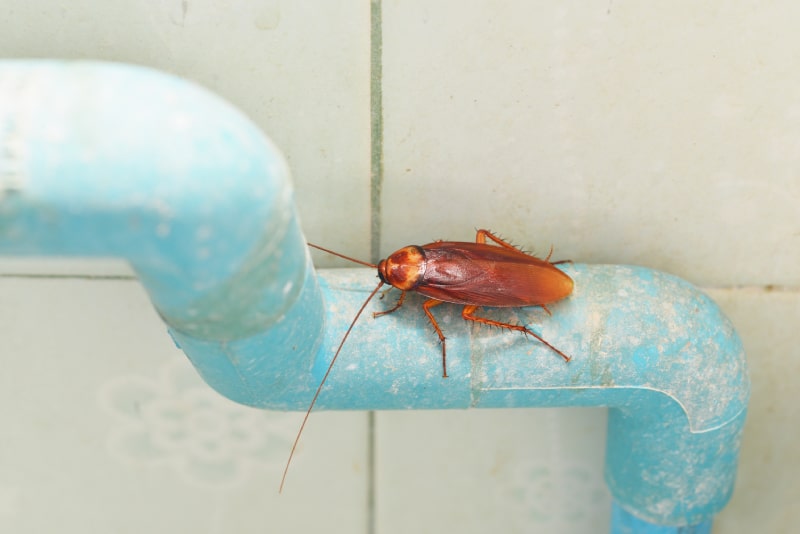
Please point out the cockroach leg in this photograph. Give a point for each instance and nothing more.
(426, 307)
(481, 236)
(393, 309)
(547, 259)
(468, 314)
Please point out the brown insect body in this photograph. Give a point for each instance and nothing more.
(469, 274)
(476, 274)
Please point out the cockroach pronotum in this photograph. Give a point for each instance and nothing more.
(470, 274)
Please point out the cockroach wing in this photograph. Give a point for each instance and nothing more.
(486, 275)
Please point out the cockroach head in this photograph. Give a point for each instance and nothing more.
(403, 269)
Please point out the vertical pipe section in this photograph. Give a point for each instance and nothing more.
(100, 159)
(623, 522)
(660, 472)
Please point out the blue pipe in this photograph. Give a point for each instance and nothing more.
(114, 160)
(626, 523)
(110, 160)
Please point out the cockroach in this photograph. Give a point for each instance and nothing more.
(469, 274)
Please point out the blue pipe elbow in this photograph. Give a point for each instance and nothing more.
(110, 160)
(655, 350)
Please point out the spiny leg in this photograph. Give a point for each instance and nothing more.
(481, 236)
(467, 314)
(426, 307)
(395, 308)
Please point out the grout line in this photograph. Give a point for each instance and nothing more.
(376, 127)
(376, 184)
(371, 519)
(68, 276)
(758, 288)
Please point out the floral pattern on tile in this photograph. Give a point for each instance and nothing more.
(565, 498)
(175, 421)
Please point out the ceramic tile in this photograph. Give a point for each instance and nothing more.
(621, 133)
(109, 424)
(766, 488)
(525, 470)
(21, 266)
(299, 69)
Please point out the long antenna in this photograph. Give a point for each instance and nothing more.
(324, 378)
(323, 249)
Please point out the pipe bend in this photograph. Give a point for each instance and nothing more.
(126, 161)
(102, 159)
(632, 328)
(651, 347)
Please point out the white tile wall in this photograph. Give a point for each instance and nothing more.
(620, 132)
(529, 470)
(766, 489)
(107, 428)
(664, 135)
(299, 69)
